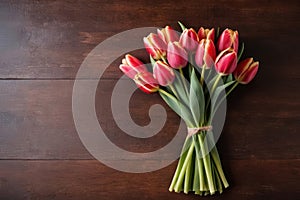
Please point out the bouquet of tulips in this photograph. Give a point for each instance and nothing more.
(190, 71)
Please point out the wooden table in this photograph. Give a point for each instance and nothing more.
(42, 45)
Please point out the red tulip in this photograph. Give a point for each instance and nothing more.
(167, 34)
(146, 82)
(155, 46)
(206, 34)
(228, 39)
(226, 62)
(176, 55)
(246, 70)
(189, 39)
(163, 73)
(131, 66)
(205, 54)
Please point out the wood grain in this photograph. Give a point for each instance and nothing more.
(37, 123)
(92, 180)
(42, 45)
(51, 39)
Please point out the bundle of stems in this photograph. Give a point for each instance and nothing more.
(199, 168)
(193, 73)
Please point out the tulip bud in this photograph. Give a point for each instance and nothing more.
(155, 46)
(205, 54)
(228, 39)
(246, 71)
(226, 62)
(167, 34)
(146, 82)
(163, 73)
(189, 39)
(206, 34)
(176, 55)
(131, 66)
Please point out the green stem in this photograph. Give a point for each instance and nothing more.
(215, 84)
(209, 74)
(163, 91)
(214, 173)
(232, 88)
(191, 64)
(163, 59)
(216, 158)
(202, 75)
(197, 181)
(187, 178)
(183, 81)
(180, 163)
(218, 180)
(207, 163)
(199, 162)
(174, 91)
(184, 166)
(212, 93)
(223, 98)
(203, 186)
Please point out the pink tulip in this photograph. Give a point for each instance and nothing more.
(167, 34)
(189, 39)
(206, 34)
(155, 46)
(176, 55)
(163, 73)
(146, 82)
(246, 71)
(205, 54)
(228, 39)
(131, 66)
(226, 62)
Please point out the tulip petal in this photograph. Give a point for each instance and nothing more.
(128, 71)
(176, 55)
(163, 73)
(146, 82)
(246, 70)
(134, 62)
(226, 62)
(200, 54)
(189, 39)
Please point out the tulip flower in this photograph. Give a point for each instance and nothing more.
(228, 39)
(131, 66)
(176, 55)
(155, 46)
(246, 71)
(226, 62)
(206, 54)
(206, 34)
(189, 39)
(168, 34)
(146, 82)
(163, 73)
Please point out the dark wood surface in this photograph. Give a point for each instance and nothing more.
(42, 45)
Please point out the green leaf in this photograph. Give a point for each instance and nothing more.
(178, 85)
(217, 93)
(152, 60)
(212, 81)
(229, 78)
(177, 107)
(181, 26)
(196, 99)
(241, 51)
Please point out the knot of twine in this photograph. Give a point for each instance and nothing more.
(193, 131)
